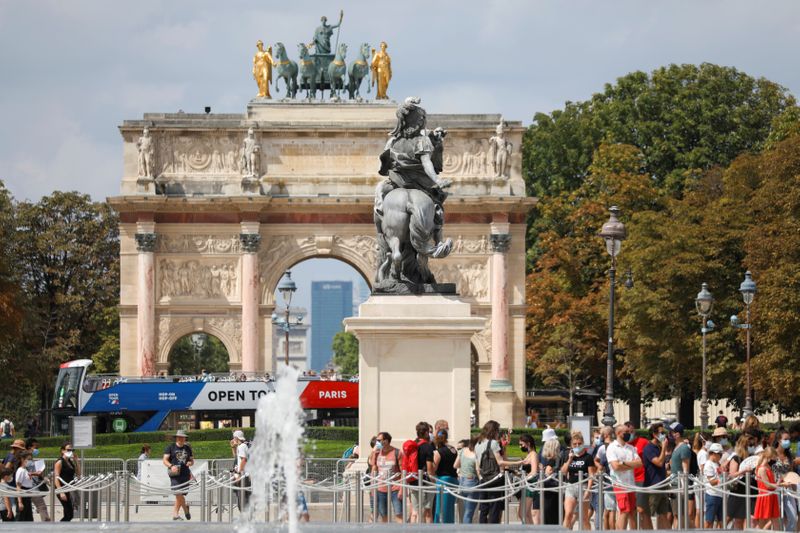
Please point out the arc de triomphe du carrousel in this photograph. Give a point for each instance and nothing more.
(214, 208)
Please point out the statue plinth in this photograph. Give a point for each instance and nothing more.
(414, 364)
(390, 286)
(327, 113)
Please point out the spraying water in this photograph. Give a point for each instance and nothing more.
(275, 452)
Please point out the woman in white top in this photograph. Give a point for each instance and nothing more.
(24, 482)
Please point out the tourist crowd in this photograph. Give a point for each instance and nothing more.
(643, 477)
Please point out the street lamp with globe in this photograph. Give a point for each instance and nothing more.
(287, 288)
(613, 232)
(704, 302)
(748, 290)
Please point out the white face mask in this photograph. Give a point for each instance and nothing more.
(68, 455)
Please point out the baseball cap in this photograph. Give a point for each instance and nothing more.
(715, 448)
(239, 434)
(549, 434)
(677, 427)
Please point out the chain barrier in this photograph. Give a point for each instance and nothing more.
(108, 495)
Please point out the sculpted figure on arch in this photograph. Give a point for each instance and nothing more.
(262, 69)
(147, 151)
(409, 213)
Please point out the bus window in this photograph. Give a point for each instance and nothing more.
(67, 384)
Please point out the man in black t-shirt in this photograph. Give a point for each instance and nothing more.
(178, 458)
(721, 421)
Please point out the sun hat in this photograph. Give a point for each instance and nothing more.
(549, 434)
(720, 432)
(18, 444)
(239, 434)
(180, 433)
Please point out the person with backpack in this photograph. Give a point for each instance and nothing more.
(418, 456)
(242, 455)
(444, 459)
(385, 465)
(491, 462)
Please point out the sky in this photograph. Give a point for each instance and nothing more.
(72, 71)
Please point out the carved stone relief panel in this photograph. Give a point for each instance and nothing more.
(199, 154)
(466, 157)
(198, 279)
(471, 277)
(204, 244)
(471, 245)
(484, 338)
(364, 246)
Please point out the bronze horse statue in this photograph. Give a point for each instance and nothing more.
(307, 72)
(285, 69)
(336, 71)
(357, 71)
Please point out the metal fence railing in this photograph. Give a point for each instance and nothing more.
(338, 491)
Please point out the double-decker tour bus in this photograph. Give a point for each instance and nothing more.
(188, 402)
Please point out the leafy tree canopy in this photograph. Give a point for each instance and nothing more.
(345, 353)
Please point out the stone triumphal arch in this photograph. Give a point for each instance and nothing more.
(215, 207)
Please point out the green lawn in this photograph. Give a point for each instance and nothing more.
(202, 449)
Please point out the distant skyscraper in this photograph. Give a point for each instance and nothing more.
(331, 302)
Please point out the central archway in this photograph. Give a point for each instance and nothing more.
(197, 352)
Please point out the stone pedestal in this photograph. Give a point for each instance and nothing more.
(414, 364)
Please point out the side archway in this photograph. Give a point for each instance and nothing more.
(227, 329)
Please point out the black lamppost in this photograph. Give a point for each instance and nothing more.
(704, 304)
(748, 290)
(613, 232)
(287, 288)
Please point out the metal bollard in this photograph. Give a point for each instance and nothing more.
(127, 498)
(359, 501)
(220, 500)
(685, 498)
(580, 499)
(506, 498)
(230, 502)
(203, 502)
(108, 503)
(53, 495)
(375, 502)
(748, 519)
(541, 495)
(723, 480)
(117, 496)
(91, 506)
(348, 513)
(702, 507)
(601, 504)
(80, 505)
(523, 500)
(560, 497)
(420, 514)
(404, 496)
(335, 497)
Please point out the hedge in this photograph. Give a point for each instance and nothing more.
(153, 437)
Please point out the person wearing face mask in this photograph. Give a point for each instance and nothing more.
(683, 461)
(601, 464)
(36, 471)
(466, 463)
(767, 511)
(65, 471)
(654, 457)
(623, 460)
(24, 483)
(737, 506)
(784, 463)
(579, 467)
(530, 468)
(638, 475)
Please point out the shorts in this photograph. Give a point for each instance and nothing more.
(609, 502)
(572, 491)
(626, 501)
(383, 503)
(713, 509)
(302, 506)
(183, 482)
(427, 499)
(641, 497)
(658, 504)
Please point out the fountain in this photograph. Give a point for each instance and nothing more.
(275, 452)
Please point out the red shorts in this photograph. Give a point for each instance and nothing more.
(626, 501)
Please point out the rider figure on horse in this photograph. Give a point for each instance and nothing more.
(412, 158)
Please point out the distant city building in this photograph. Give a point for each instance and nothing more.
(331, 303)
(298, 340)
(360, 294)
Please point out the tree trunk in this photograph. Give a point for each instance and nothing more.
(686, 408)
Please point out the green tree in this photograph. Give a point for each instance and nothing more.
(195, 352)
(66, 250)
(684, 119)
(345, 353)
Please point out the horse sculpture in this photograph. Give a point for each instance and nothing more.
(409, 214)
(357, 71)
(336, 71)
(285, 69)
(307, 72)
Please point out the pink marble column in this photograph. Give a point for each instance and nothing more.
(145, 303)
(500, 244)
(250, 297)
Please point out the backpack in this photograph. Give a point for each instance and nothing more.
(411, 458)
(6, 428)
(489, 468)
(349, 451)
